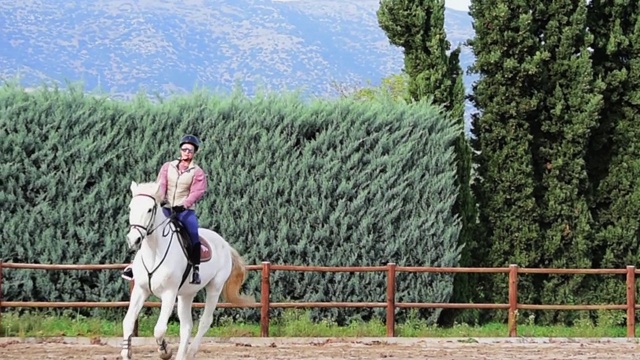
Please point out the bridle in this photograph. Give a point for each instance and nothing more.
(146, 228)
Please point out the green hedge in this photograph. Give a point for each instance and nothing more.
(336, 183)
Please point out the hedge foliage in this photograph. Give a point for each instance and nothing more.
(336, 183)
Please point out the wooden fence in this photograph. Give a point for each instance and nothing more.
(391, 305)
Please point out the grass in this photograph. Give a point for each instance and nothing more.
(294, 323)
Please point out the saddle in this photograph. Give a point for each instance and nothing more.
(185, 242)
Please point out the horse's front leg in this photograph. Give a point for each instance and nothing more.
(168, 299)
(136, 302)
(186, 324)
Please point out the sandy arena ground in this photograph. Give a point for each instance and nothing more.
(322, 349)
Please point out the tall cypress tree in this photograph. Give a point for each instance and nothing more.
(572, 102)
(418, 27)
(465, 285)
(508, 62)
(614, 156)
(539, 102)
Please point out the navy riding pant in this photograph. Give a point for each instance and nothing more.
(190, 221)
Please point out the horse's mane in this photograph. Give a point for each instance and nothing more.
(148, 188)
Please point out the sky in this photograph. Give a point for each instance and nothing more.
(457, 4)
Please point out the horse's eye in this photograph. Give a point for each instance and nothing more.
(149, 210)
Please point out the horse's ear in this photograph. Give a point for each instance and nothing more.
(133, 186)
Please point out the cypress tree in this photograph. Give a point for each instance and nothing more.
(504, 128)
(614, 152)
(538, 100)
(418, 27)
(572, 101)
(465, 284)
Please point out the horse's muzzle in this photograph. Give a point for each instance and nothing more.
(134, 238)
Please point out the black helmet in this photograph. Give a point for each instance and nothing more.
(190, 139)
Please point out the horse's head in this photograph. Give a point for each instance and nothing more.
(142, 212)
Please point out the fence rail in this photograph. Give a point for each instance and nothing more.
(391, 305)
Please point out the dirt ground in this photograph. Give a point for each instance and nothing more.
(438, 349)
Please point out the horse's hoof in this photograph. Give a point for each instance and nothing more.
(165, 355)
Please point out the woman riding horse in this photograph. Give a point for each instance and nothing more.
(182, 184)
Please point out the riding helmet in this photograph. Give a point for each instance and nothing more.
(190, 139)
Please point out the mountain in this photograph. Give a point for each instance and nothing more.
(162, 46)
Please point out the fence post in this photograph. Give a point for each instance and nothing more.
(264, 300)
(391, 299)
(513, 300)
(631, 301)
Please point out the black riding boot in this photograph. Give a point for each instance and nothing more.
(195, 258)
(127, 273)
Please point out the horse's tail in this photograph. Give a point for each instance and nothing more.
(231, 289)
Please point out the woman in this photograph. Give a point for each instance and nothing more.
(182, 185)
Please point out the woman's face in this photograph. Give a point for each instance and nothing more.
(187, 151)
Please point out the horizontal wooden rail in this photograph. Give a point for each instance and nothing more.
(329, 268)
(283, 305)
(572, 307)
(451, 306)
(573, 271)
(8, 265)
(391, 305)
(112, 304)
(451, 270)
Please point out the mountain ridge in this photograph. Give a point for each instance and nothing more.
(124, 46)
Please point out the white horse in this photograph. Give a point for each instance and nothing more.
(159, 268)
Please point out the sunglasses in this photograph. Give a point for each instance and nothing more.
(187, 150)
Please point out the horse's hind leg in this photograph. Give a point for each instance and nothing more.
(213, 294)
(138, 296)
(168, 300)
(186, 324)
